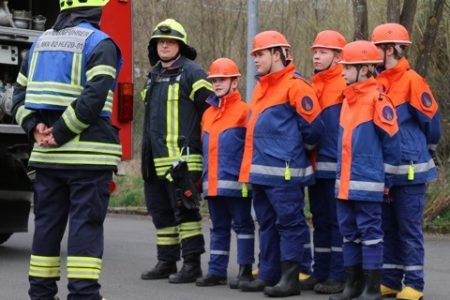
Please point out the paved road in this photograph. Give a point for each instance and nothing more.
(130, 249)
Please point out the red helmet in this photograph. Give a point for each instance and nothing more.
(223, 67)
(269, 39)
(360, 52)
(390, 33)
(329, 39)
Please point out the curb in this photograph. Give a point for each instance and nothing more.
(136, 211)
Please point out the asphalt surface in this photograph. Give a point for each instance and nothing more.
(130, 249)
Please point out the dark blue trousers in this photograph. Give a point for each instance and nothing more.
(327, 240)
(282, 226)
(227, 213)
(80, 198)
(403, 237)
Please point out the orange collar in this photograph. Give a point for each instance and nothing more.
(388, 77)
(359, 89)
(272, 78)
(321, 78)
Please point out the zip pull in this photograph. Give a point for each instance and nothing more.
(411, 171)
(244, 190)
(287, 172)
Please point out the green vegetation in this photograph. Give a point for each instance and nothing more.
(129, 192)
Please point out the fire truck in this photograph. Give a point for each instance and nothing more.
(21, 23)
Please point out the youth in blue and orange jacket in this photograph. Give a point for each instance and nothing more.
(367, 123)
(328, 83)
(284, 121)
(419, 133)
(223, 134)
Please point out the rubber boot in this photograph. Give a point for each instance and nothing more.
(387, 292)
(372, 285)
(245, 274)
(190, 271)
(410, 293)
(161, 270)
(309, 283)
(354, 284)
(288, 284)
(329, 286)
(256, 285)
(211, 280)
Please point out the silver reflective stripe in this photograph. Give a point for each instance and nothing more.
(364, 186)
(326, 166)
(246, 236)
(309, 147)
(403, 169)
(70, 39)
(393, 266)
(336, 249)
(307, 246)
(372, 242)
(432, 147)
(322, 250)
(357, 241)
(228, 184)
(413, 268)
(219, 252)
(279, 171)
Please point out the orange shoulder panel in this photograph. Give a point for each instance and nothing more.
(421, 97)
(385, 116)
(303, 98)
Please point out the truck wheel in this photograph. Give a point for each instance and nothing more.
(4, 237)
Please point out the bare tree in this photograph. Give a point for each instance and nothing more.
(429, 37)
(360, 20)
(408, 14)
(393, 11)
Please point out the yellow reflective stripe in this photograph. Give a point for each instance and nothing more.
(45, 266)
(45, 261)
(84, 261)
(193, 167)
(74, 159)
(34, 58)
(83, 273)
(100, 70)
(49, 272)
(52, 86)
(43, 99)
(172, 120)
(72, 122)
(201, 83)
(75, 145)
(170, 160)
(168, 230)
(76, 69)
(190, 225)
(22, 113)
(167, 241)
(22, 79)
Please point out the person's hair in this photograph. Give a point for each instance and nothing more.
(282, 55)
(399, 50)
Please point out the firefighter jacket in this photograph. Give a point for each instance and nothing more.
(419, 124)
(329, 86)
(175, 99)
(368, 122)
(67, 83)
(223, 135)
(284, 121)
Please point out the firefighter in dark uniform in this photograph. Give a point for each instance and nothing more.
(175, 98)
(63, 101)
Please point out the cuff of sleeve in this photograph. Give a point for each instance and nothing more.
(62, 133)
(28, 126)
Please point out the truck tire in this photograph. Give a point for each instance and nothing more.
(4, 237)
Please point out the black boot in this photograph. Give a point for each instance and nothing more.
(372, 285)
(256, 285)
(329, 286)
(190, 271)
(309, 283)
(211, 280)
(288, 284)
(245, 274)
(354, 284)
(161, 270)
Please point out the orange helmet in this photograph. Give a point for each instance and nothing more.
(360, 52)
(390, 33)
(269, 39)
(223, 67)
(329, 39)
